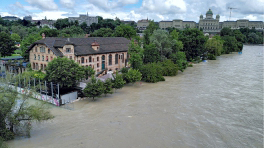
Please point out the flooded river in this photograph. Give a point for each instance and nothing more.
(213, 104)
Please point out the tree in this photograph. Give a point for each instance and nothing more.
(84, 27)
(89, 71)
(136, 55)
(49, 32)
(152, 72)
(103, 32)
(193, 43)
(7, 45)
(179, 58)
(94, 88)
(230, 44)
(152, 27)
(125, 31)
(214, 47)
(162, 42)
(108, 86)
(151, 53)
(169, 68)
(118, 81)
(26, 42)
(64, 71)
(15, 37)
(133, 76)
(61, 23)
(226, 31)
(16, 112)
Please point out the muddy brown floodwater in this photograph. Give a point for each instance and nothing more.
(213, 104)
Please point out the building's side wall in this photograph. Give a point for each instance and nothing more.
(37, 61)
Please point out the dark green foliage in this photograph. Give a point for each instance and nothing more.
(230, 44)
(152, 72)
(151, 53)
(179, 58)
(94, 88)
(71, 31)
(125, 31)
(62, 23)
(226, 31)
(193, 43)
(7, 45)
(132, 76)
(103, 32)
(49, 32)
(108, 86)
(169, 68)
(64, 71)
(89, 71)
(211, 56)
(118, 81)
(136, 53)
(26, 42)
(124, 70)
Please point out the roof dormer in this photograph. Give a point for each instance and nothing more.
(95, 45)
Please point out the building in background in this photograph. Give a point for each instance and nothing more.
(28, 18)
(10, 18)
(44, 22)
(209, 24)
(84, 18)
(244, 23)
(177, 23)
(142, 24)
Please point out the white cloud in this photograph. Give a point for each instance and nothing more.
(68, 3)
(51, 15)
(251, 17)
(163, 6)
(108, 5)
(43, 4)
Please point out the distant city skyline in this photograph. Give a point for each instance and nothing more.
(188, 10)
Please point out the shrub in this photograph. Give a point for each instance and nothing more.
(211, 57)
(169, 68)
(132, 76)
(152, 72)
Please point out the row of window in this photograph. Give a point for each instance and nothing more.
(209, 27)
(42, 49)
(43, 58)
(103, 59)
(37, 66)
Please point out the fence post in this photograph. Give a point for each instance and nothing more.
(39, 87)
(46, 89)
(52, 92)
(59, 93)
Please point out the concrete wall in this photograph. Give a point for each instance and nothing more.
(70, 97)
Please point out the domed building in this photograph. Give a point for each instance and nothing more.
(209, 24)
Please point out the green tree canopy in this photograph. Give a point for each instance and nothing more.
(26, 42)
(118, 81)
(62, 23)
(230, 44)
(103, 32)
(7, 45)
(125, 31)
(15, 37)
(133, 76)
(108, 89)
(94, 88)
(64, 71)
(193, 43)
(162, 42)
(151, 53)
(136, 55)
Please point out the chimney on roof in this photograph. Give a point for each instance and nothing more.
(68, 39)
(43, 35)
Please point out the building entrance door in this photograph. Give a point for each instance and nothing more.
(103, 62)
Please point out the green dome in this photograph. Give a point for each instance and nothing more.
(209, 12)
(201, 16)
(217, 15)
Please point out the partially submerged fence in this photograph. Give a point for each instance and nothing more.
(41, 90)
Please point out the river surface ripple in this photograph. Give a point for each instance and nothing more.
(213, 104)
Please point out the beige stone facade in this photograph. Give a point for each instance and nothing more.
(40, 55)
(244, 23)
(142, 24)
(179, 24)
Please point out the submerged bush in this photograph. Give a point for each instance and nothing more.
(169, 68)
(152, 72)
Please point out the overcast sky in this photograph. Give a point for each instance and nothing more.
(188, 10)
